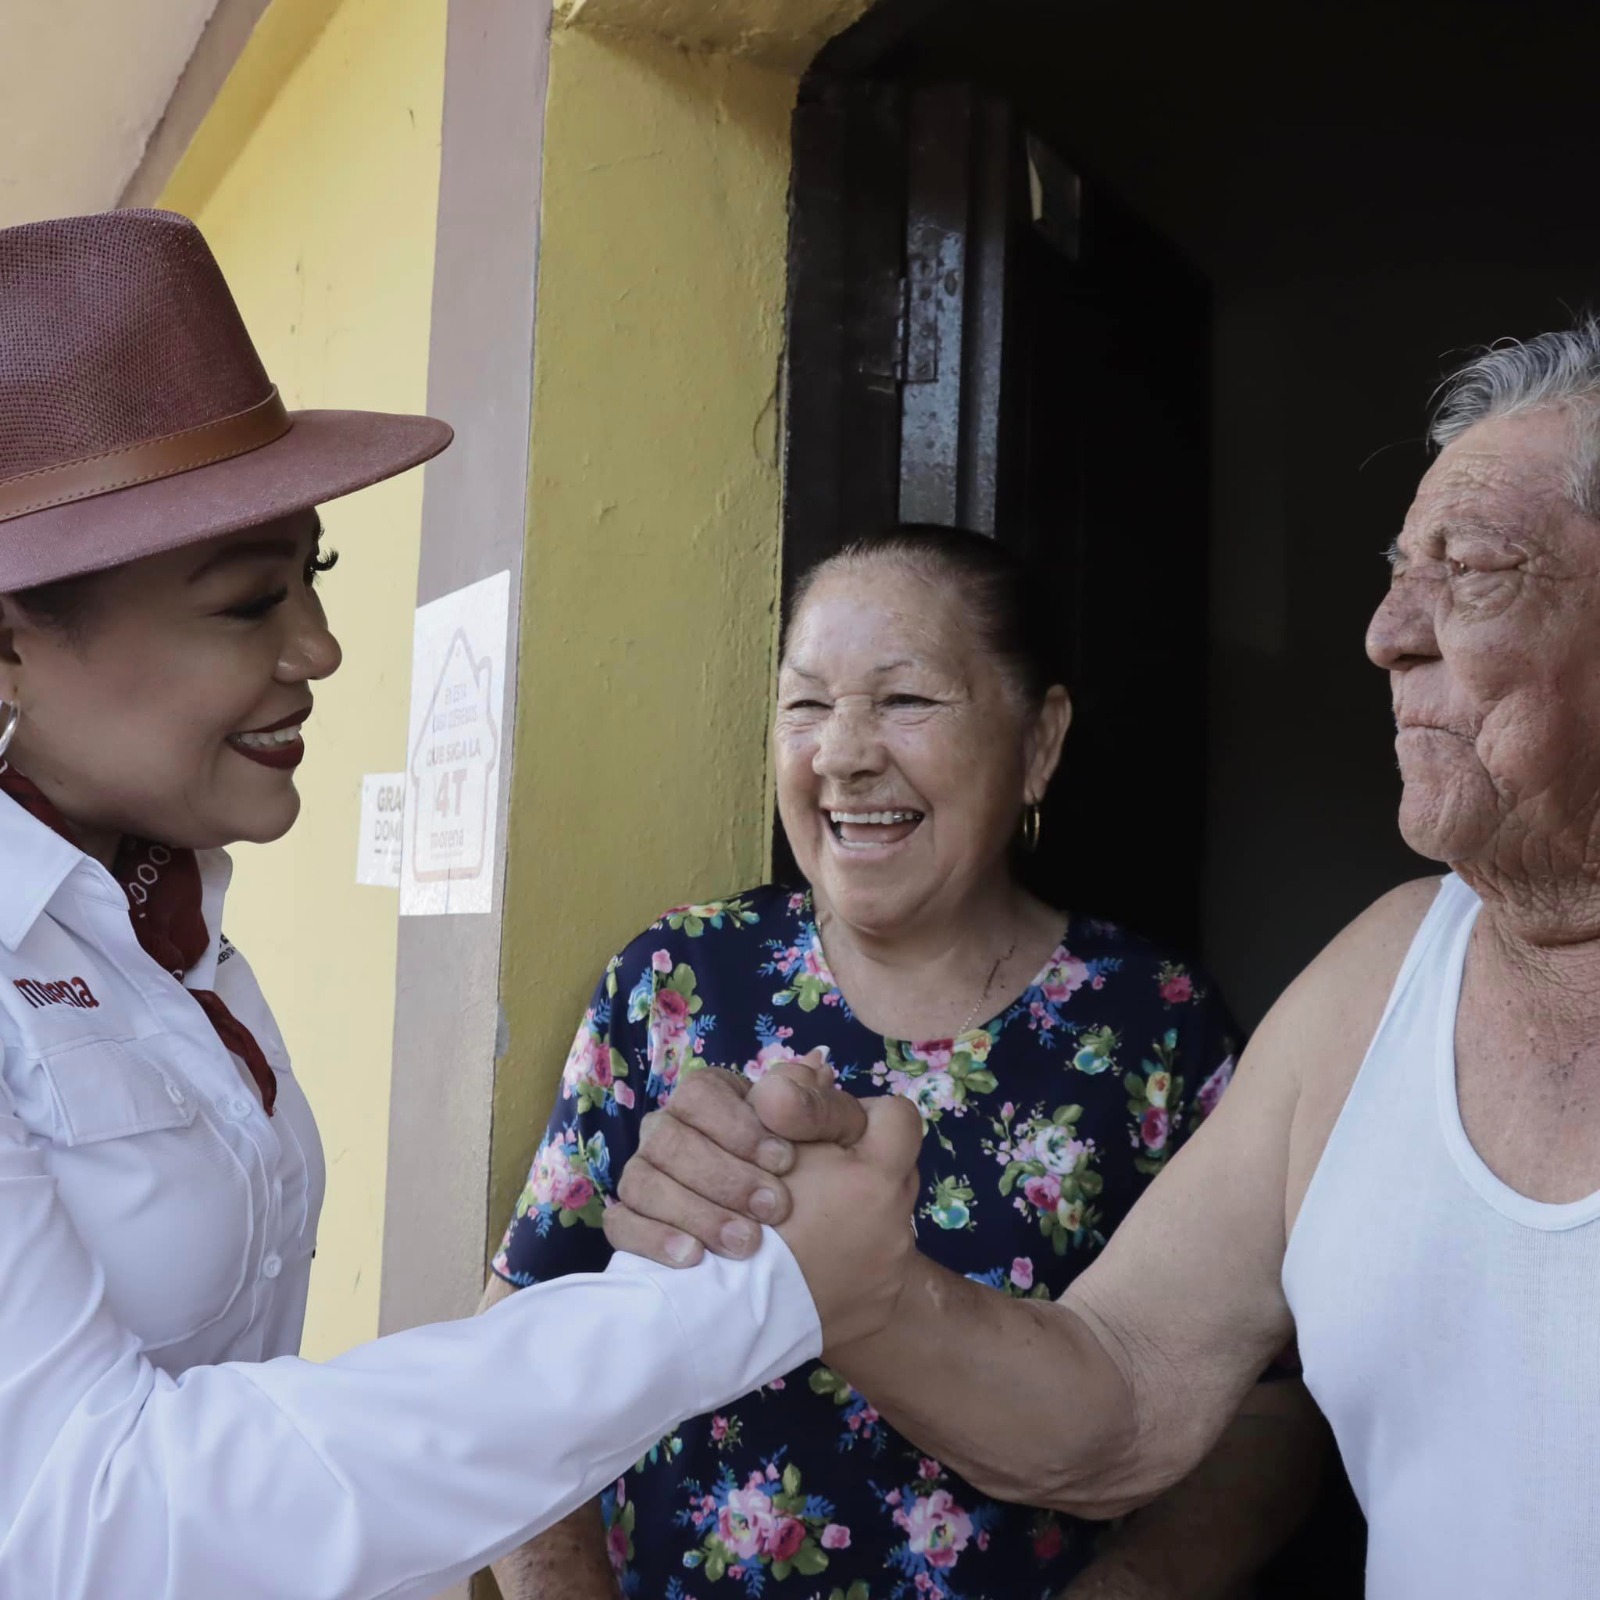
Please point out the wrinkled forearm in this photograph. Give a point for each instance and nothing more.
(1214, 1530)
(566, 1562)
(1021, 1397)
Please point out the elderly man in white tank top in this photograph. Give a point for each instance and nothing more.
(1406, 1173)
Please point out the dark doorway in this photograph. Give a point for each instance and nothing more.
(981, 338)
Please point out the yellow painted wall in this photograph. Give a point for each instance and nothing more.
(651, 576)
(322, 213)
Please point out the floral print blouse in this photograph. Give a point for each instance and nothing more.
(1042, 1128)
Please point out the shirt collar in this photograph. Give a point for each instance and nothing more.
(35, 861)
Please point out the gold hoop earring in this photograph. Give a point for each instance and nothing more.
(1032, 822)
(10, 716)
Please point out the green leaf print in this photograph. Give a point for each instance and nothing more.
(825, 1381)
(682, 982)
(857, 1591)
(693, 920)
(809, 1559)
(807, 991)
(662, 1450)
(952, 1204)
(591, 1216)
(1095, 1047)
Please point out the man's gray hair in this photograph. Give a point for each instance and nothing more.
(1518, 375)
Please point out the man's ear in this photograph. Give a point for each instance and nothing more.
(1045, 739)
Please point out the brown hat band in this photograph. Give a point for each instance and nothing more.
(164, 457)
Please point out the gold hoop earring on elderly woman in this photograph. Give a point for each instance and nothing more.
(10, 716)
(1032, 823)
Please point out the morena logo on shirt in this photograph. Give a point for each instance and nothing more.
(39, 992)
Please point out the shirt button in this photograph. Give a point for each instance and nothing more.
(238, 1108)
(174, 1093)
(272, 1266)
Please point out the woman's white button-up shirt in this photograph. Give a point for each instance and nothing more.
(156, 1231)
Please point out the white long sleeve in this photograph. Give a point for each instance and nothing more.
(392, 1471)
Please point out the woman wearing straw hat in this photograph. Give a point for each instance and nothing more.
(160, 1174)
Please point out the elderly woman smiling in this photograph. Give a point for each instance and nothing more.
(1057, 1063)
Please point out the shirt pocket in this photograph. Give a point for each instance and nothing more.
(160, 1198)
(109, 1089)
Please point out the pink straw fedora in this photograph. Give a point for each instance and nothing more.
(135, 415)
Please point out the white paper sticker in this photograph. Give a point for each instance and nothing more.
(452, 789)
(383, 807)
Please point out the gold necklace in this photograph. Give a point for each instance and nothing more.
(994, 972)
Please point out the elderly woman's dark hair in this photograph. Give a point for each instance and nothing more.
(1009, 608)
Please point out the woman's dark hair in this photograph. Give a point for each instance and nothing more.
(1009, 607)
(62, 605)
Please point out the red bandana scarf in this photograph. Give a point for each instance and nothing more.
(163, 890)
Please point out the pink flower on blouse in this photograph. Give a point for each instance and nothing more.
(1065, 980)
(835, 1537)
(745, 1521)
(1178, 990)
(1153, 1128)
(1043, 1192)
(617, 1547)
(1022, 1272)
(785, 1538)
(937, 1528)
(1211, 1090)
(672, 1008)
(769, 1055)
(661, 961)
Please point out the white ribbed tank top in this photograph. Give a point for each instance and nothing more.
(1449, 1326)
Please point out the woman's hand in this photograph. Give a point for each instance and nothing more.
(845, 1210)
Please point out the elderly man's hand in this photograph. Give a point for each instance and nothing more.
(708, 1165)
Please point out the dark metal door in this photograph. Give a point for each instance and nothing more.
(980, 338)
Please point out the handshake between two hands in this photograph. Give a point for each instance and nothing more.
(835, 1175)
